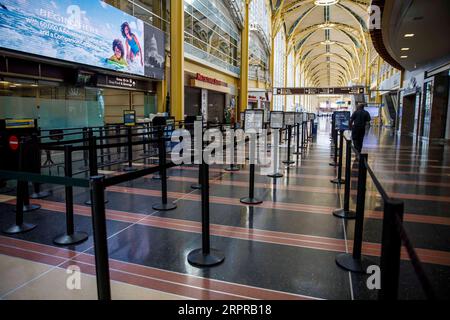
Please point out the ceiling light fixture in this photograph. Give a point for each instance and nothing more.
(327, 26)
(403, 57)
(409, 35)
(325, 2)
(328, 42)
(405, 49)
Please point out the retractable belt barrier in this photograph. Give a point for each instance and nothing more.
(393, 232)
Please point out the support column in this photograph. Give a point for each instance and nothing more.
(244, 59)
(177, 59)
(272, 69)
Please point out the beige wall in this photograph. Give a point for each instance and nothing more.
(118, 100)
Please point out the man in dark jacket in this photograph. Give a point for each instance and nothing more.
(358, 122)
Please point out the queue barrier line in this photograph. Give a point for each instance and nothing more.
(393, 231)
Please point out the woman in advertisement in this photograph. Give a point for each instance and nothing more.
(132, 44)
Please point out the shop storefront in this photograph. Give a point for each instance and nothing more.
(209, 97)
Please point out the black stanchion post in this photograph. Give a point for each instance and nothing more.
(100, 238)
(198, 186)
(346, 213)
(85, 144)
(339, 179)
(206, 256)
(102, 151)
(38, 194)
(251, 199)
(390, 250)
(288, 161)
(22, 187)
(107, 140)
(355, 262)
(232, 167)
(335, 157)
(297, 151)
(70, 237)
(27, 206)
(304, 141)
(93, 165)
(164, 206)
(130, 167)
(20, 226)
(119, 140)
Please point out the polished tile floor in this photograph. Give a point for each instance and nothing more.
(284, 248)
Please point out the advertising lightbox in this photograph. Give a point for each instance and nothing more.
(89, 33)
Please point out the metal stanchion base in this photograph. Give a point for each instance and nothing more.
(198, 259)
(248, 200)
(40, 195)
(276, 175)
(288, 162)
(347, 262)
(337, 181)
(297, 153)
(70, 239)
(24, 227)
(232, 168)
(129, 169)
(89, 202)
(341, 213)
(196, 186)
(164, 207)
(30, 207)
(333, 164)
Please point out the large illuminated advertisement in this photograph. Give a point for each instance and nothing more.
(88, 32)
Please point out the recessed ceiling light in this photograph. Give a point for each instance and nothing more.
(409, 35)
(325, 2)
(405, 49)
(403, 57)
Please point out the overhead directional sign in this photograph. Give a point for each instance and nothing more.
(315, 91)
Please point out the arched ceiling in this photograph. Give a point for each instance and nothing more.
(330, 42)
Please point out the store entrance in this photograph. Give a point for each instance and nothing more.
(408, 114)
(216, 107)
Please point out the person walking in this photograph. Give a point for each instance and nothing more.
(358, 122)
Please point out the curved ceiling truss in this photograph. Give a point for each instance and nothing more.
(330, 43)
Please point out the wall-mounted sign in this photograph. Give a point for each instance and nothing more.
(213, 81)
(129, 118)
(204, 82)
(121, 82)
(89, 33)
(20, 124)
(277, 120)
(254, 120)
(316, 91)
(342, 120)
(13, 143)
(289, 118)
(109, 81)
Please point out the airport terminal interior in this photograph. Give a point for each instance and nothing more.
(224, 150)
